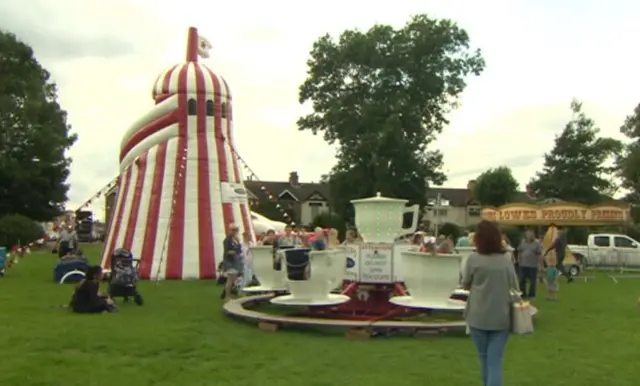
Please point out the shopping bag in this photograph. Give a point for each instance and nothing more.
(521, 318)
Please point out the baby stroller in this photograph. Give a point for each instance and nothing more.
(124, 276)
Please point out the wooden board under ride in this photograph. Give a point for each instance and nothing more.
(238, 308)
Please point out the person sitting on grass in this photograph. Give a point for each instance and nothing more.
(87, 299)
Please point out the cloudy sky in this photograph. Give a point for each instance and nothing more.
(104, 55)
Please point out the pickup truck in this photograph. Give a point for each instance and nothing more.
(607, 250)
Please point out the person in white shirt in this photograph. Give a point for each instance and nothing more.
(67, 241)
(247, 274)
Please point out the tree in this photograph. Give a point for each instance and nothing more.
(628, 161)
(496, 187)
(382, 96)
(18, 230)
(576, 168)
(34, 136)
(330, 220)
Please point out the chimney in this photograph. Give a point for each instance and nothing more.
(294, 179)
(471, 186)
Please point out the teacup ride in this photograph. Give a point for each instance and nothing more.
(365, 276)
(312, 276)
(271, 278)
(430, 279)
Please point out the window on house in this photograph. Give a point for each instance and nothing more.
(475, 211)
(192, 107)
(438, 212)
(210, 108)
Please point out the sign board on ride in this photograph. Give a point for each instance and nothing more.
(376, 263)
(352, 272)
(558, 213)
(233, 192)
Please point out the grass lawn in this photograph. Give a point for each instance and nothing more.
(181, 337)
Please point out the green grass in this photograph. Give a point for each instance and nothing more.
(181, 337)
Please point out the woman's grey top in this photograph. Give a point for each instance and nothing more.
(490, 280)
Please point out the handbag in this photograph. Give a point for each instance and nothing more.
(521, 318)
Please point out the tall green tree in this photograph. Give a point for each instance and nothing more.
(496, 187)
(382, 96)
(628, 161)
(577, 168)
(34, 136)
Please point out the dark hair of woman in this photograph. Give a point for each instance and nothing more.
(488, 239)
(94, 272)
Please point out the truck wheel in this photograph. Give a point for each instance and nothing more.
(574, 270)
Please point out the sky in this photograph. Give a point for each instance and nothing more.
(105, 56)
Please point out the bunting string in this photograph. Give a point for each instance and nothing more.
(263, 189)
(105, 189)
(18, 253)
(251, 176)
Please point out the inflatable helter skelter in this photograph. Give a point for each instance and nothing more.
(180, 184)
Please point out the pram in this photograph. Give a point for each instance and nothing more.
(124, 276)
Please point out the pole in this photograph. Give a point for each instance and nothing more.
(437, 209)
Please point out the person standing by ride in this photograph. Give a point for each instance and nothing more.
(67, 241)
(289, 239)
(247, 271)
(463, 241)
(232, 251)
(332, 240)
(489, 276)
(319, 243)
(559, 245)
(529, 256)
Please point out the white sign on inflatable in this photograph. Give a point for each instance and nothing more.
(376, 263)
(352, 272)
(233, 192)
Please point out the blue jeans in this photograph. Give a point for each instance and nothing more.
(490, 346)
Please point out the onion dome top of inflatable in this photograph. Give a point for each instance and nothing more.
(191, 77)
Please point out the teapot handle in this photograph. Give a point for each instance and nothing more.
(415, 211)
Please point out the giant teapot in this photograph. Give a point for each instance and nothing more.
(379, 219)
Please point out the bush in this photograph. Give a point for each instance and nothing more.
(330, 220)
(450, 229)
(16, 229)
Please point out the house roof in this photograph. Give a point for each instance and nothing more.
(455, 196)
(463, 197)
(301, 191)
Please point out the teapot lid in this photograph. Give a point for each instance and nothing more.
(378, 199)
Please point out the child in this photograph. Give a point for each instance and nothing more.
(552, 279)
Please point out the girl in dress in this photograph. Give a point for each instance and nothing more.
(247, 274)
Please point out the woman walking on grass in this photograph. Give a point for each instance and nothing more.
(232, 264)
(489, 276)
